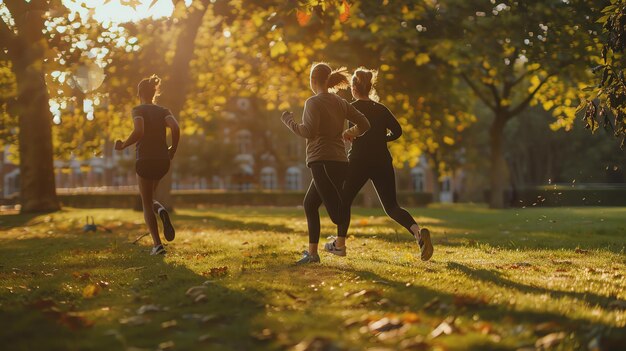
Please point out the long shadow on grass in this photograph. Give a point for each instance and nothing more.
(494, 277)
(16, 220)
(533, 239)
(420, 297)
(204, 220)
(44, 269)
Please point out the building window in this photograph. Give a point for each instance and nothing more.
(294, 179)
(268, 178)
(445, 184)
(244, 141)
(417, 179)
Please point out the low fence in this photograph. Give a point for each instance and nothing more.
(199, 198)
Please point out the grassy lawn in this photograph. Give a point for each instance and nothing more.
(512, 279)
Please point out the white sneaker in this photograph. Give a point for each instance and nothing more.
(333, 249)
(157, 250)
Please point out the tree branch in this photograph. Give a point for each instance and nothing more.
(522, 105)
(477, 91)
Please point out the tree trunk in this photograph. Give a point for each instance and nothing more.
(37, 187)
(26, 51)
(176, 83)
(499, 171)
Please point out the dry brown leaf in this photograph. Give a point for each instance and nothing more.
(549, 340)
(91, 290)
(169, 324)
(444, 328)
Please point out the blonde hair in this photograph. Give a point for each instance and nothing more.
(334, 80)
(363, 81)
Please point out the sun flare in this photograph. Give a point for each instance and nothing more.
(120, 10)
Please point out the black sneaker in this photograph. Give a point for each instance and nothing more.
(426, 245)
(157, 250)
(308, 258)
(168, 228)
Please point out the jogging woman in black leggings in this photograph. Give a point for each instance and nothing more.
(153, 155)
(370, 159)
(323, 123)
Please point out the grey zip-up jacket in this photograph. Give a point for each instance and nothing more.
(323, 123)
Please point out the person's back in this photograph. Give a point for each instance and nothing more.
(371, 147)
(329, 112)
(153, 143)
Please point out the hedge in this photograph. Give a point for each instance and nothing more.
(193, 199)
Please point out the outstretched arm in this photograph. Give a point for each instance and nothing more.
(310, 122)
(134, 137)
(172, 124)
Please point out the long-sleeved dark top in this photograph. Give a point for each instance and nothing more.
(371, 147)
(323, 123)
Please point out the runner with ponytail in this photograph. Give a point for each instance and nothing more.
(153, 155)
(370, 160)
(323, 126)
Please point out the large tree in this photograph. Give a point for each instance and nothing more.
(22, 37)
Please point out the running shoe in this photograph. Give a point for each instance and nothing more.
(157, 250)
(333, 249)
(168, 228)
(426, 246)
(308, 258)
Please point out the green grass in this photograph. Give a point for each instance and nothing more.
(507, 278)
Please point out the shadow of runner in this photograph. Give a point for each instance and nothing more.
(43, 268)
(10, 221)
(496, 278)
(420, 298)
(224, 223)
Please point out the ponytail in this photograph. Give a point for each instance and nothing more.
(335, 80)
(363, 81)
(149, 88)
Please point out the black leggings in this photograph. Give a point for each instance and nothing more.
(384, 178)
(326, 187)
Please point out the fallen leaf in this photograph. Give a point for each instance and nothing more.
(91, 290)
(148, 309)
(549, 340)
(216, 272)
(205, 337)
(196, 290)
(316, 344)
(200, 298)
(385, 324)
(169, 324)
(444, 328)
(263, 335)
(134, 320)
(165, 346)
